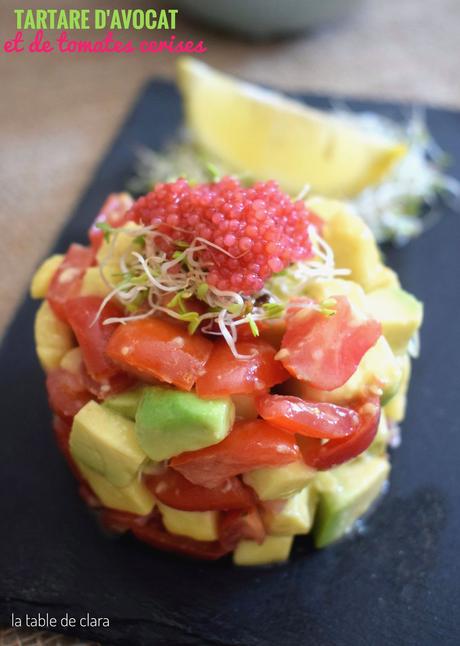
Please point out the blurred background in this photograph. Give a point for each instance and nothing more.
(58, 113)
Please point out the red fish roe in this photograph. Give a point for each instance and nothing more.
(260, 228)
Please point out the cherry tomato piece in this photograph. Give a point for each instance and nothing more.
(155, 348)
(249, 445)
(172, 489)
(337, 451)
(313, 419)
(324, 349)
(227, 375)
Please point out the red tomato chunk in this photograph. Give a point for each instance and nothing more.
(155, 349)
(325, 350)
(171, 488)
(67, 392)
(331, 454)
(92, 335)
(227, 375)
(113, 212)
(67, 280)
(313, 419)
(249, 445)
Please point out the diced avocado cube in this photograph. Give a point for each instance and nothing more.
(245, 407)
(351, 240)
(53, 337)
(43, 276)
(395, 409)
(399, 312)
(323, 289)
(93, 284)
(345, 494)
(125, 403)
(169, 422)
(273, 483)
(385, 277)
(378, 367)
(134, 498)
(106, 443)
(112, 251)
(297, 515)
(71, 361)
(382, 438)
(199, 525)
(274, 549)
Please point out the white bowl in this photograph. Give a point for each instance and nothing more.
(266, 18)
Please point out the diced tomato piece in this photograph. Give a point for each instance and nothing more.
(67, 280)
(66, 392)
(227, 375)
(155, 349)
(325, 350)
(238, 525)
(113, 212)
(313, 419)
(249, 445)
(156, 535)
(114, 385)
(334, 452)
(92, 335)
(174, 490)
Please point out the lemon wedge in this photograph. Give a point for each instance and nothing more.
(268, 136)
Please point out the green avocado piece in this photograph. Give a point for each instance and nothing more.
(345, 494)
(395, 408)
(169, 422)
(125, 403)
(134, 498)
(106, 443)
(399, 312)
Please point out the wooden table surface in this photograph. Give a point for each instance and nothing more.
(58, 113)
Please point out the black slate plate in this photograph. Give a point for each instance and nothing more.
(398, 583)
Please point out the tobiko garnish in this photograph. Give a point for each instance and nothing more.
(251, 233)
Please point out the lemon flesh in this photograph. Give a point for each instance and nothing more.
(269, 136)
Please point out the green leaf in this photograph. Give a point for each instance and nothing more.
(106, 228)
(273, 310)
(252, 325)
(202, 290)
(181, 244)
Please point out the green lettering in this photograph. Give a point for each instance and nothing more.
(163, 22)
(100, 19)
(40, 22)
(19, 13)
(151, 19)
(173, 13)
(29, 22)
(115, 22)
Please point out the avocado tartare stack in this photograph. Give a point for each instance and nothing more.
(226, 367)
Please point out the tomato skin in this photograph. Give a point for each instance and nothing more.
(66, 392)
(337, 451)
(67, 280)
(313, 419)
(92, 335)
(113, 212)
(325, 351)
(227, 375)
(172, 489)
(249, 445)
(157, 349)
(238, 525)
